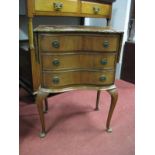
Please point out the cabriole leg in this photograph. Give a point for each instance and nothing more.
(114, 97)
(39, 101)
(97, 100)
(45, 105)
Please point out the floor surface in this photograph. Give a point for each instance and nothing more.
(74, 128)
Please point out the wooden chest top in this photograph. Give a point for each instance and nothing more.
(66, 28)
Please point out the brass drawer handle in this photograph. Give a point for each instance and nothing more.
(55, 44)
(102, 78)
(104, 61)
(57, 6)
(56, 80)
(96, 9)
(56, 62)
(106, 44)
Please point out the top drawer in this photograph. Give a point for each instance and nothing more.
(95, 8)
(58, 6)
(87, 42)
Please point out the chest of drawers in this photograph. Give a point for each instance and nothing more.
(76, 57)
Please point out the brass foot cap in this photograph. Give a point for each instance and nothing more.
(42, 134)
(109, 130)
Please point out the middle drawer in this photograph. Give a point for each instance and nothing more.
(78, 60)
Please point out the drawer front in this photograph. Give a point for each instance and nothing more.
(95, 8)
(60, 42)
(66, 42)
(66, 78)
(101, 43)
(56, 6)
(74, 61)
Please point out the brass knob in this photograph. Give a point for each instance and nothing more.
(55, 80)
(57, 6)
(55, 44)
(56, 62)
(102, 78)
(96, 9)
(106, 44)
(104, 61)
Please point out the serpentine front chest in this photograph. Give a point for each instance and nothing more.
(76, 57)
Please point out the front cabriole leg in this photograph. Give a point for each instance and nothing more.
(114, 97)
(39, 101)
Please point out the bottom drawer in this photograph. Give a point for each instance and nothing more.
(66, 78)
